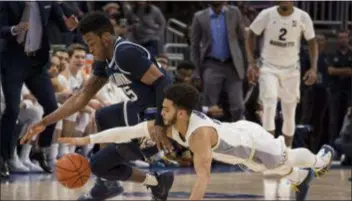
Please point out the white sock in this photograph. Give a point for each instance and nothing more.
(72, 148)
(150, 180)
(303, 158)
(297, 175)
(63, 149)
(270, 189)
(54, 151)
(284, 189)
(16, 164)
(15, 157)
(26, 150)
(87, 148)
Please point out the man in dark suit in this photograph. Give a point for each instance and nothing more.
(216, 36)
(23, 26)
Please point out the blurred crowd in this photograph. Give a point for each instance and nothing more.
(323, 116)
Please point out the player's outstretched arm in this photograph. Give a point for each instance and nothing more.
(200, 145)
(72, 105)
(113, 135)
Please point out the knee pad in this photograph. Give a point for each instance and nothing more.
(83, 121)
(288, 114)
(269, 112)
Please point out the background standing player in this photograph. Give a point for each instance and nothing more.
(279, 76)
(134, 70)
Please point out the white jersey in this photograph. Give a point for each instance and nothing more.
(76, 81)
(282, 35)
(73, 82)
(242, 142)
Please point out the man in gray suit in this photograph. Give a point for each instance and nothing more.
(215, 50)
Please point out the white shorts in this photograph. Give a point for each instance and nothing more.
(268, 152)
(277, 83)
(252, 146)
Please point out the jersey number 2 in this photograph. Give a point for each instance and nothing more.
(283, 33)
(130, 93)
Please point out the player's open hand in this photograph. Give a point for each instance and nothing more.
(32, 131)
(161, 139)
(78, 141)
(253, 74)
(310, 77)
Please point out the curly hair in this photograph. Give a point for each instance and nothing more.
(96, 22)
(183, 96)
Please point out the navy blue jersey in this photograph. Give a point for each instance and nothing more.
(128, 65)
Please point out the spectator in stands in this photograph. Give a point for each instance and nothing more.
(71, 8)
(30, 112)
(73, 79)
(184, 74)
(314, 98)
(248, 12)
(107, 6)
(112, 8)
(62, 93)
(24, 27)
(216, 52)
(119, 23)
(340, 71)
(63, 57)
(344, 142)
(147, 26)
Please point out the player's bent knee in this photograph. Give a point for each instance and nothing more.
(288, 114)
(269, 111)
(269, 102)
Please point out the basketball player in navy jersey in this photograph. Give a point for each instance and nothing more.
(134, 70)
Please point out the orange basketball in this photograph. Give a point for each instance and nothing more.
(72, 170)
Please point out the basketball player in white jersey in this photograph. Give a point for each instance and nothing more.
(282, 27)
(241, 142)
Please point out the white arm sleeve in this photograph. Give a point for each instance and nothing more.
(121, 134)
(308, 27)
(260, 22)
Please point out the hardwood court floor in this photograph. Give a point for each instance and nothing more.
(226, 183)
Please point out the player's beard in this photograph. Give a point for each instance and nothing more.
(170, 122)
(284, 8)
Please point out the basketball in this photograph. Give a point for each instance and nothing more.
(72, 170)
